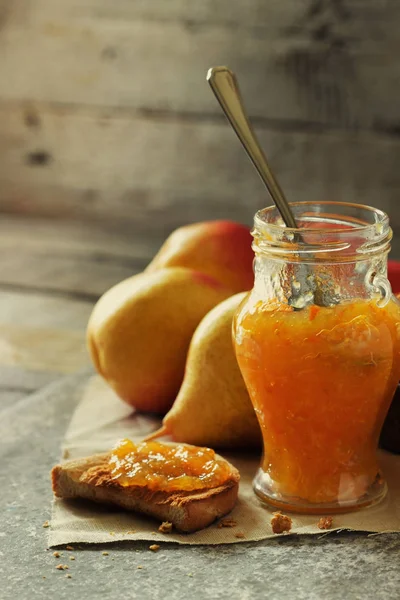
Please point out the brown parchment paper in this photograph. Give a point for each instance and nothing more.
(101, 419)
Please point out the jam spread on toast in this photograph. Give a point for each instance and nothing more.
(164, 467)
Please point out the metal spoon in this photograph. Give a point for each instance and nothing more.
(226, 89)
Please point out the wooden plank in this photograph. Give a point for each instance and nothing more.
(43, 349)
(251, 13)
(71, 260)
(44, 330)
(38, 311)
(311, 62)
(75, 239)
(150, 175)
(42, 333)
(75, 277)
(244, 14)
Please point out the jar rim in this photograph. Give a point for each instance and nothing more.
(382, 217)
(348, 230)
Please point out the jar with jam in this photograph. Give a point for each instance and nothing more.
(318, 343)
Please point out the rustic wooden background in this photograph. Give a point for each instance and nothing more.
(105, 114)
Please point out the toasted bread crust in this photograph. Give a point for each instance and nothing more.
(91, 478)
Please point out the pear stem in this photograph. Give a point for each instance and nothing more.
(157, 434)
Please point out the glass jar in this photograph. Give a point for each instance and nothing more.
(318, 344)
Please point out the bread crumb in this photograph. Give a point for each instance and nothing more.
(165, 527)
(46, 524)
(105, 553)
(72, 558)
(240, 535)
(44, 576)
(190, 574)
(69, 547)
(227, 523)
(56, 554)
(60, 567)
(68, 576)
(66, 453)
(154, 547)
(281, 523)
(131, 531)
(139, 567)
(325, 523)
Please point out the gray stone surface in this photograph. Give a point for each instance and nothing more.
(335, 566)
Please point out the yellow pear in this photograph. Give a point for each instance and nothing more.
(213, 407)
(140, 330)
(222, 249)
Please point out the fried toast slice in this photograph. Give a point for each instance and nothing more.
(91, 478)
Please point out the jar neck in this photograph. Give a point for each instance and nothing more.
(338, 254)
(328, 232)
(328, 284)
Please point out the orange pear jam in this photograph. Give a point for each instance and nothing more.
(168, 468)
(321, 380)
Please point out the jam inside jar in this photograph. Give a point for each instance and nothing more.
(318, 344)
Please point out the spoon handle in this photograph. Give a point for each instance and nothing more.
(226, 89)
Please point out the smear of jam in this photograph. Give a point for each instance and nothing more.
(164, 467)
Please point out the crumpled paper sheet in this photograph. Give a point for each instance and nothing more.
(101, 419)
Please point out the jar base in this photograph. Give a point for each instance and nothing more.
(263, 487)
